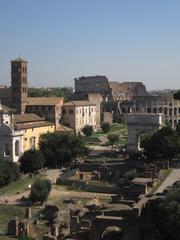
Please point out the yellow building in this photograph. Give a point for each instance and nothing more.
(33, 127)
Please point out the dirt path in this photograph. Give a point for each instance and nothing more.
(90, 195)
(173, 177)
(16, 198)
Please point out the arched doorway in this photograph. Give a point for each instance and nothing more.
(17, 148)
(112, 233)
(139, 124)
(141, 138)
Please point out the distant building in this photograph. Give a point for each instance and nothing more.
(5, 96)
(165, 105)
(33, 127)
(19, 85)
(16, 96)
(112, 94)
(127, 90)
(77, 114)
(92, 84)
(20, 132)
(48, 107)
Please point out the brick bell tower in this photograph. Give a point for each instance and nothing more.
(19, 85)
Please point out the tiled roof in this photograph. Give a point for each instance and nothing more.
(79, 103)
(6, 109)
(33, 125)
(63, 128)
(31, 120)
(25, 118)
(44, 100)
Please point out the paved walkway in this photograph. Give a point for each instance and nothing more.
(173, 177)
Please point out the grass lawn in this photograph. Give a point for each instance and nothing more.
(18, 186)
(121, 129)
(8, 212)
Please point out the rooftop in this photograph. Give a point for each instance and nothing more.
(44, 101)
(63, 128)
(34, 125)
(6, 109)
(79, 103)
(30, 120)
(19, 59)
(28, 117)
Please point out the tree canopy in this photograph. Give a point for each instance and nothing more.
(31, 161)
(168, 215)
(62, 148)
(9, 172)
(177, 95)
(65, 92)
(163, 143)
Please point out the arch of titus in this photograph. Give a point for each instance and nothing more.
(139, 123)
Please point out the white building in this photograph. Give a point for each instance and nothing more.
(77, 114)
(11, 139)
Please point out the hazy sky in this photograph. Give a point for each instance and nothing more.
(126, 40)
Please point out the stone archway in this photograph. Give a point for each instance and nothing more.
(139, 123)
(101, 223)
(112, 232)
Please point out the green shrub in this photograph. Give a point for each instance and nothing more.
(40, 190)
(87, 130)
(105, 127)
(113, 138)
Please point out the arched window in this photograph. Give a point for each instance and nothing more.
(17, 148)
(175, 111)
(175, 123)
(160, 110)
(170, 123)
(155, 110)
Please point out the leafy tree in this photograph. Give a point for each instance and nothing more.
(168, 215)
(32, 160)
(62, 148)
(9, 172)
(105, 127)
(178, 129)
(40, 190)
(163, 143)
(87, 130)
(65, 92)
(113, 138)
(177, 95)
